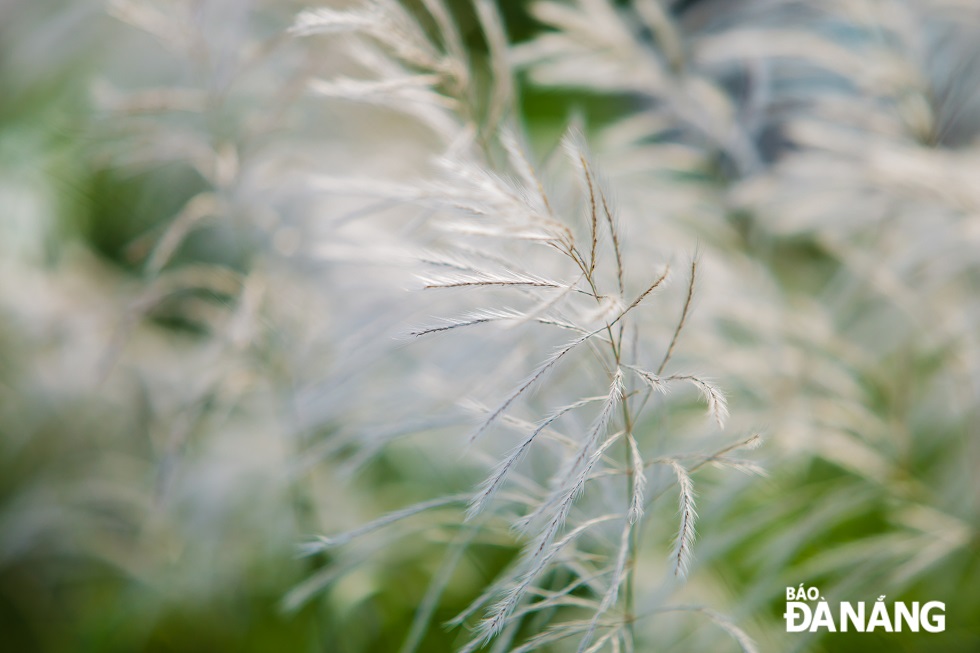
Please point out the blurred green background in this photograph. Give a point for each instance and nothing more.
(152, 492)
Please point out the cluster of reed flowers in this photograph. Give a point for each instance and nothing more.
(374, 260)
(573, 486)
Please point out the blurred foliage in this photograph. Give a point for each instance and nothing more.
(98, 552)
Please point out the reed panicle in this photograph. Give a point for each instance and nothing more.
(452, 334)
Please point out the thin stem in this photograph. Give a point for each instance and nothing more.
(615, 344)
(631, 482)
(619, 256)
(633, 545)
(615, 242)
(593, 214)
(680, 323)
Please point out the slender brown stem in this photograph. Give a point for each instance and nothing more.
(680, 323)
